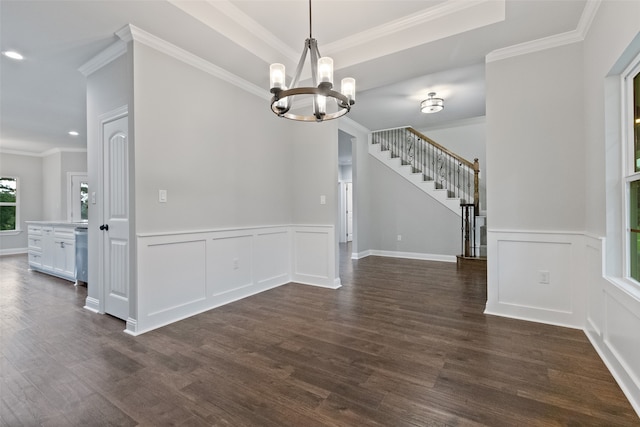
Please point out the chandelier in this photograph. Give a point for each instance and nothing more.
(431, 104)
(322, 79)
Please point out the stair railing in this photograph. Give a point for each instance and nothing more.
(469, 246)
(451, 172)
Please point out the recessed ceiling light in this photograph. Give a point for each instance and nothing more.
(13, 55)
(73, 133)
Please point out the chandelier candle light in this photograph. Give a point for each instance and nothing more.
(322, 79)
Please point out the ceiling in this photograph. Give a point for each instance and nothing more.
(397, 50)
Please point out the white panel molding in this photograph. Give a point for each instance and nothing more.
(513, 287)
(557, 40)
(206, 269)
(189, 58)
(313, 256)
(103, 58)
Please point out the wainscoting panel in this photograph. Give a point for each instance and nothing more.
(272, 251)
(613, 321)
(594, 266)
(230, 263)
(519, 277)
(177, 277)
(535, 276)
(621, 333)
(314, 256)
(183, 274)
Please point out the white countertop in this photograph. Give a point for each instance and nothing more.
(81, 224)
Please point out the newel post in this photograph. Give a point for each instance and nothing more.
(476, 186)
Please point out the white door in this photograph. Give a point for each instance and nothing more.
(115, 227)
(349, 207)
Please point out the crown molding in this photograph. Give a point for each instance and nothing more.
(535, 46)
(148, 39)
(569, 37)
(349, 125)
(108, 55)
(417, 19)
(588, 15)
(245, 21)
(43, 153)
(455, 124)
(58, 150)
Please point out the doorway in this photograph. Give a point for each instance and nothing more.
(114, 228)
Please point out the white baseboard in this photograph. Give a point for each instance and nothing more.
(413, 255)
(92, 304)
(13, 251)
(628, 386)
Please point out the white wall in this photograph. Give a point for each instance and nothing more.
(220, 153)
(314, 171)
(28, 170)
(54, 181)
(243, 210)
(52, 192)
(467, 139)
(69, 162)
(427, 228)
(108, 89)
(535, 141)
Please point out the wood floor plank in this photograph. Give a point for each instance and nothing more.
(402, 343)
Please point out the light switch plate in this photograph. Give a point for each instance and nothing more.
(162, 196)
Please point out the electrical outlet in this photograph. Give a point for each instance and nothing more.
(236, 263)
(399, 237)
(544, 277)
(162, 196)
(323, 200)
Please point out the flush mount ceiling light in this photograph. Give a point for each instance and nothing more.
(431, 104)
(322, 79)
(13, 55)
(73, 133)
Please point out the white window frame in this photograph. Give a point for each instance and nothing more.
(628, 162)
(73, 196)
(16, 204)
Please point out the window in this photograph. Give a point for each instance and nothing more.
(9, 218)
(632, 126)
(77, 196)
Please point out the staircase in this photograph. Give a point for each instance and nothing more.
(443, 175)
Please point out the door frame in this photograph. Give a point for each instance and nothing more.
(103, 119)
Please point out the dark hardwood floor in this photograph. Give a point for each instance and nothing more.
(402, 343)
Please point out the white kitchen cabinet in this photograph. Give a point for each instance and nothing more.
(52, 248)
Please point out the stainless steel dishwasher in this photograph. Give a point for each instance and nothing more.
(82, 258)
